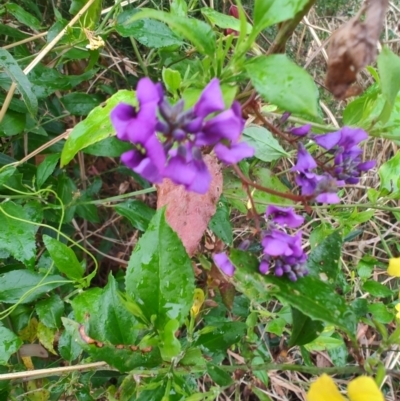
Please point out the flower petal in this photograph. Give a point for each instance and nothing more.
(210, 100)
(394, 267)
(284, 216)
(223, 263)
(121, 115)
(301, 131)
(364, 388)
(235, 153)
(328, 141)
(324, 389)
(305, 161)
(148, 92)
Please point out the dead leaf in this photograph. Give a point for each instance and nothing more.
(189, 213)
(352, 47)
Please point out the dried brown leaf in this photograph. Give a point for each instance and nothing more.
(352, 47)
(189, 213)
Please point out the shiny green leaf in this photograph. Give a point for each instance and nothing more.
(282, 82)
(220, 223)
(137, 212)
(389, 174)
(80, 104)
(377, 289)
(95, 127)
(46, 168)
(24, 286)
(16, 74)
(9, 344)
(304, 329)
(169, 345)
(50, 311)
(160, 275)
(223, 21)
(64, 258)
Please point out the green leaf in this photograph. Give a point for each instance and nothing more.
(46, 169)
(16, 74)
(220, 336)
(220, 223)
(266, 146)
(270, 12)
(83, 303)
(148, 32)
(223, 21)
(160, 275)
(80, 104)
(68, 347)
(309, 295)
(64, 258)
(304, 329)
(218, 375)
(109, 319)
(12, 124)
(23, 16)
(169, 345)
(389, 66)
(9, 344)
(172, 79)
(323, 261)
(17, 237)
(46, 336)
(109, 147)
(196, 31)
(377, 290)
(6, 173)
(95, 127)
(340, 353)
(137, 212)
(91, 17)
(389, 174)
(24, 286)
(280, 81)
(50, 311)
(380, 312)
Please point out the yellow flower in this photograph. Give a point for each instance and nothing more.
(397, 307)
(362, 388)
(394, 267)
(198, 300)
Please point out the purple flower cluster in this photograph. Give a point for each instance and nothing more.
(282, 252)
(167, 139)
(344, 165)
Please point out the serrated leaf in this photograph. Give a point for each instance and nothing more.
(17, 237)
(16, 74)
(160, 275)
(9, 344)
(266, 146)
(25, 286)
(50, 311)
(68, 347)
(282, 82)
(323, 261)
(64, 258)
(46, 168)
(148, 32)
(196, 31)
(270, 12)
(137, 212)
(95, 127)
(310, 295)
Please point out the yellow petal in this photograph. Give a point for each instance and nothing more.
(198, 300)
(324, 389)
(364, 389)
(397, 307)
(394, 267)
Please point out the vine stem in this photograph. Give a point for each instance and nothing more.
(286, 195)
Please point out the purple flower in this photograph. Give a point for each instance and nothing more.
(346, 138)
(305, 162)
(328, 141)
(224, 264)
(167, 138)
(234, 153)
(284, 216)
(301, 131)
(210, 100)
